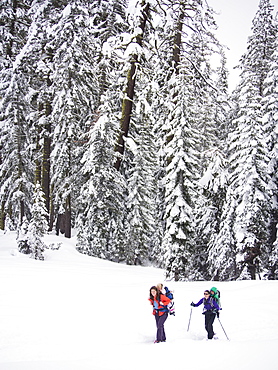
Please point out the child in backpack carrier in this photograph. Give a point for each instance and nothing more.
(214, 293)
(169, 294)
(210, 310)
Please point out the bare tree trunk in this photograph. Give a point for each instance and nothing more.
(18, 138)
(176, 61)
(63, 223)
(2, 210)
(51, 211)
(177, 43)
(68, 218)
(2, 217)
(45, 175)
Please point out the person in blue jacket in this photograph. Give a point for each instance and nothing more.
(211, 309)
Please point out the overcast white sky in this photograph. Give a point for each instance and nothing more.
(234, 27)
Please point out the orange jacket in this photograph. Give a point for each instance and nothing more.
(164, 300)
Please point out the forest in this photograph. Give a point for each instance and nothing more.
(116, 121)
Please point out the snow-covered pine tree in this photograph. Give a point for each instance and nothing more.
(174, 252)
(209, 85)
(38, 225)
(100, 221)
(75, 89)
(16, 168)
(141, 186)
(248, 196)
(179, 181)
(14, 24)
(213, 169)
(247, 205)
(183, 75)
(30, 69)
(208, 215)
(108, 19)
(260, 45)
(22, 237)
(270, 121)
(33, 62)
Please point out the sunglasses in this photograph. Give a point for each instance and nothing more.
(206, 294)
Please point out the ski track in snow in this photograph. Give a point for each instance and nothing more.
(74, 312)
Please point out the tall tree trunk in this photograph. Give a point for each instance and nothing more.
(18, 138)
(176, 60)
(130, 88)
(2, 217)
(45, 179)
(178, 43)
(63, 223)
(38, 167)
(68, 218)
(51, 211)
(2, 210)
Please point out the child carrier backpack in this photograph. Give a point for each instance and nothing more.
(216, 295)
(171, 305)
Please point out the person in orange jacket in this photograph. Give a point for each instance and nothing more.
(160, 312)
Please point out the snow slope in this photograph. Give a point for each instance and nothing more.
(73, 312)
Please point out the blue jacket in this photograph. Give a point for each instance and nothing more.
(209, 304)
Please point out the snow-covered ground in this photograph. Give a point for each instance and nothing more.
(74, 312)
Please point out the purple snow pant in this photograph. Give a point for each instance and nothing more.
(160, 320)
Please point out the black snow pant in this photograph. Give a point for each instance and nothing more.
(209, 319)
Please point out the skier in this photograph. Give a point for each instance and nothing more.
(211, 309)
(159, 302)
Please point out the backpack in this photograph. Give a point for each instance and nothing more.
(171, 305)
(216, 295)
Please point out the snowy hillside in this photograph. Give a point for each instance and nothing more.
(74, 312)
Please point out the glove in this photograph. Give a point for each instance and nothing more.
(192, 304)
(217, 314)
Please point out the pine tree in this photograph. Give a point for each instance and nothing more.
(38, 225)
(101, 219)
(22, 237)
(74, 92)
(270, 120)
(142, 188)
(260, 45)
(100, 223)
(209, 210)
(184, 75)
(179, 180)
(16, 168)
(14, 162)
(247, 208)
(213, 183)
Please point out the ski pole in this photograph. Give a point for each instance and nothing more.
(223, 328)
(189, 319)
